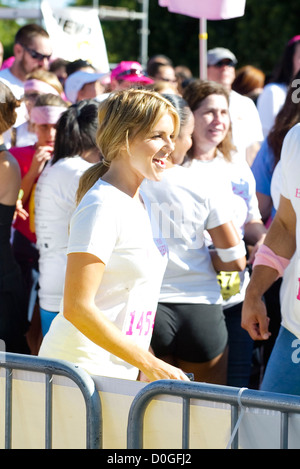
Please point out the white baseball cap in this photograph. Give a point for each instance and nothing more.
(77, 80)
(220, 53)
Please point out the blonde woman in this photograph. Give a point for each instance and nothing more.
(115, 264)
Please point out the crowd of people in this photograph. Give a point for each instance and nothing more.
(148, 218)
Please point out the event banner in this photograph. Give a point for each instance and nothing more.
(76, 33)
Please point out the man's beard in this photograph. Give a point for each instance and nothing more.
(24, 68)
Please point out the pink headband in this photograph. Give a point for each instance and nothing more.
(46, 114)
(41, 86)
(293, 40)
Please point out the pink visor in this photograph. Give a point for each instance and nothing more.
(46, 114)
(41, 86)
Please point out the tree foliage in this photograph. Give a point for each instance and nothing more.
(257, 38)
(8, 29)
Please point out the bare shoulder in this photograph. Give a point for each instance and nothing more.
(10, 177)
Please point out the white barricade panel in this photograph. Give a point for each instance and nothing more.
(28, 412)
(210, 422)
(116, 398)
(209, 425)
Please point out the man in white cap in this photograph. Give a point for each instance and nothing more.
(246, 125)
(84, 85)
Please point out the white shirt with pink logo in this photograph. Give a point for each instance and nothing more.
(116, 229)
(290, 189)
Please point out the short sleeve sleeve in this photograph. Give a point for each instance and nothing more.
(93, 229)
(289, 154)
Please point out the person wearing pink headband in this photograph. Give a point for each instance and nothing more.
(40, 86)
(37, 83)
(32, 160)
(46, 115)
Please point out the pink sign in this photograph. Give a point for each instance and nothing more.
(211, 10)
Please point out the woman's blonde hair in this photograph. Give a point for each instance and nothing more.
(194, 94)
(47, 77)
(122, 116)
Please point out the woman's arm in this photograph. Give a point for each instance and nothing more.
(225, 237)
(281, 239)
(265, 205)
(83, 277)
(10, 179)
(254, 236)
(40, 157)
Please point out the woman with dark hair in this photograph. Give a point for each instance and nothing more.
(270, 151)
(75, 151)
(32, 160)
(273, 96)
(213, 158)
(13, 311)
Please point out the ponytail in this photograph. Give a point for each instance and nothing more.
(89, 178)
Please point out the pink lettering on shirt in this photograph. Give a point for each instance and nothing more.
(298, 296)
(141, 323)
(297, 193)
(162, 246)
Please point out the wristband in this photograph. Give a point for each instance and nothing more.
(265, 256)
(231, 254)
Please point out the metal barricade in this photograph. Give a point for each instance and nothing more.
(237, 398)
(50, 368)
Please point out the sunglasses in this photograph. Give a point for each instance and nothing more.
(31, 96)
(169, 80)
(225, 62)
(131, 71)
(36, 55)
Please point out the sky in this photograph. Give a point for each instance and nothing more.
(58, 3)
(35, 3)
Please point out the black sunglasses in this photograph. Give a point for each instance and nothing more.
(34, 54)
(131, 71)
(225, 62)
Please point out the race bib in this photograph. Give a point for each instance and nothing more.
(140, 323)
(230, 283)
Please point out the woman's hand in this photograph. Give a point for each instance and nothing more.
(20, 211)
(40, 157)
(158, 369)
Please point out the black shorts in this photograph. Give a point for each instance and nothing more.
(191, 332)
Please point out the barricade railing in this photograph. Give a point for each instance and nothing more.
(238, 399)
(50, 368)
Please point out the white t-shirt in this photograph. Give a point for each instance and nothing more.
(269, 104)
(24, 137)
(290, 188)
(246, 124)
(185, 206)
(15, 84)
(55, 196)
(276, 185)
(243, 205)
(116, 229)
